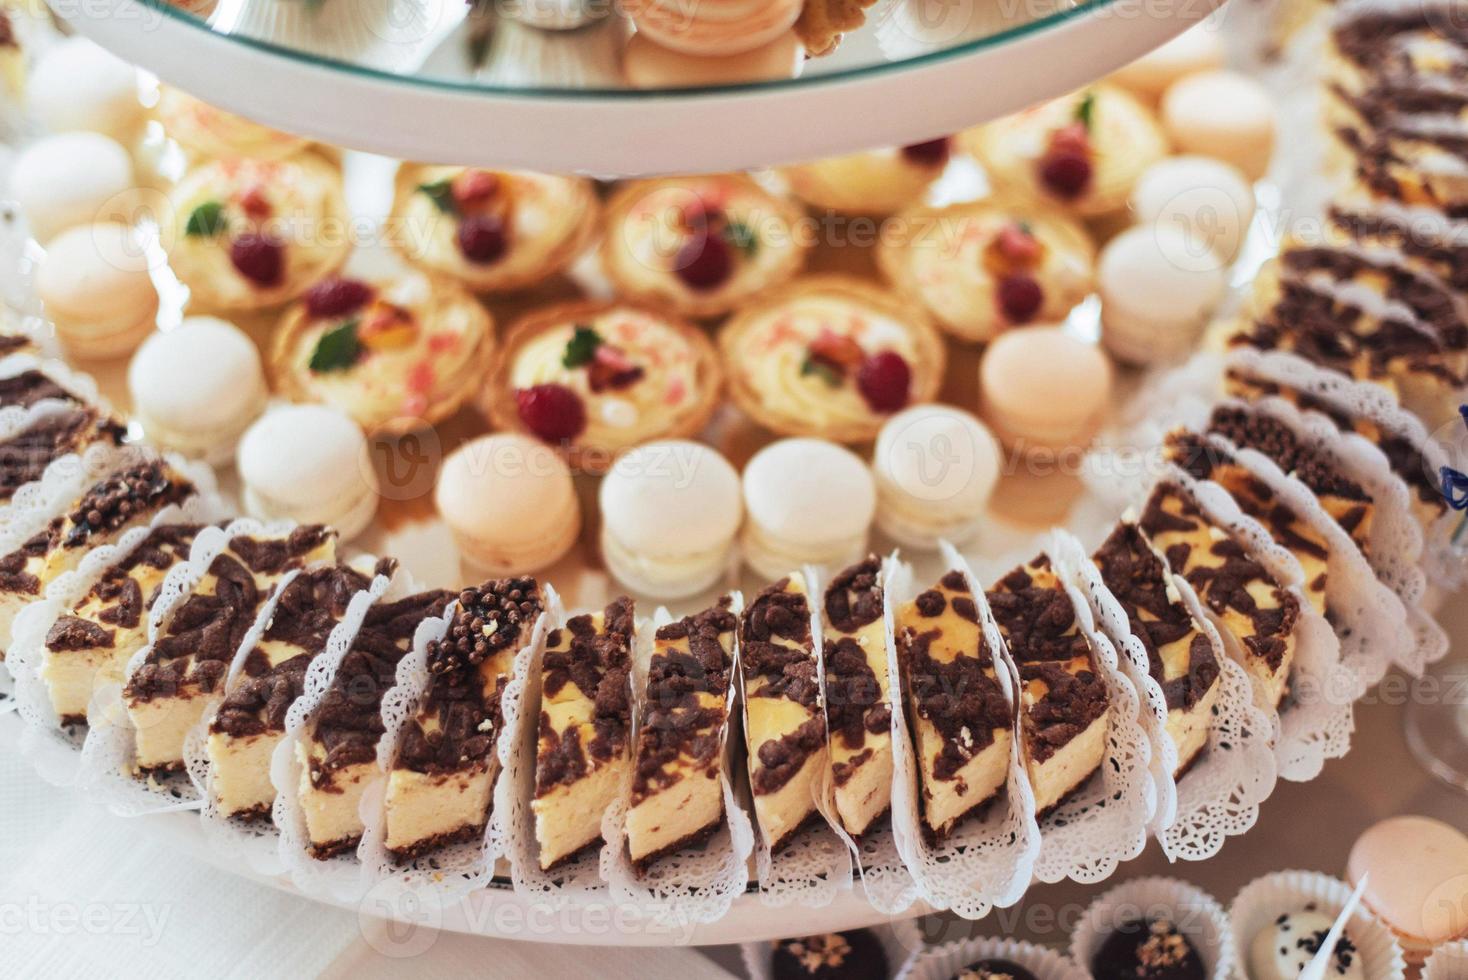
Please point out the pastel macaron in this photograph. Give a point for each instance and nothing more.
(72, 179)
(1044, 390)
(308, 464)
(935, 468)
(670, 515)
(95, 284)
(1159, 286)
(1196, 49)
(509, 502)
(1209, 200)
(728, 27)
(1418, 884)
(1222, 114)
(647, 64)
(79, 85)
(196, 388)
(807, 501)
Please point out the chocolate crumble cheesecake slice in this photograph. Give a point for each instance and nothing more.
(1180, 657)
(584, 746)
(1250, 605)
(857, 689)
(1063, 700)
(188, 663)
(961, 721)
(439, 788)
(785, 726)
(91, 643)
(126, 499)
(251, 720)
(1346, 501)
(25, 388)
(25, 455)
(1403, 454)
(339, 752)
(1204, 460)
(677, 798)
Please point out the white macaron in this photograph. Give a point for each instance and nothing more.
(1158, 286)
(670, 513)
(79, 85)
(309, 464)
(196, 388)
(935, 467)
(95, 284)
(72, 179)
(1208, 199)
(808, 501)
(1222, 114)
(1199, 48)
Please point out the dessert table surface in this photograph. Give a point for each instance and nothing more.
(121, 890)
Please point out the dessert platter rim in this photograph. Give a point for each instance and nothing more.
(596, 131)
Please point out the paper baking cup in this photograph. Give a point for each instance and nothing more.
(1196, 913)
(900, 940)
(1447, 962)
(944, 962)
(1265, 899)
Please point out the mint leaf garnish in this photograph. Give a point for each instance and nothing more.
(337, 350)
(581, 348)
(822, 370)
(1086, 110)
(441, 193)
(206, 220)
(742, 237)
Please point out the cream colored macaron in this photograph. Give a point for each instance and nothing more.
(1419, 880)
(509, 502)
(308, 464)
(808, 501)
(1159, 286)
(1222, 114)
(72, 179)
(1044, 390)
(670, 513)
(1196, 49)
(196, 388)
(647, 64)
(935, 468)
(95, 283)
(79, 85)
(1210, 200)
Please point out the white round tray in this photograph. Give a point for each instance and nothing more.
(917, 70)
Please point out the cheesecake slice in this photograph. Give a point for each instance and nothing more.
(251, 720)
(1205, 461)
(188, 663)
(1063, 699)
(1251, 606)
(677, 798)
(91, 643)
(785, 727)
(338, 754)
(128, 498)
(857, 689)
(25, 455)
(439, 788)
(1180, 657)
(961, 720)
(584, 747)
(25, 388)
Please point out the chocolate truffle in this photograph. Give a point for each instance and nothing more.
(854, 955)
(1147, 949)
(994, 969)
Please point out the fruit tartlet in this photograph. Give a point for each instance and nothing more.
(595, 378)
(206, 131)
(979, 269)
(830, 356)
(251, 234)
(395, 355)
(874, 182)
(493, 231)
(1081, 152)
(700, 246)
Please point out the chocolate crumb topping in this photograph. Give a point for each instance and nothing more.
(1365, 38)
(1268, 435)
(25, 388)
(349, 719)
(73, 633)
(781, 758)
(675, 724)
(1420, 292)
(24, 457)
(123, 498)
(854, 702)
(309, 608)
(13, 574)
(1138, 580)
(789, 670)
(456, 725)
(1038, 621)
(1446, 254)
(272, 556)
(10, 342)
(854, 597)
(1070, 704)
(599, 664)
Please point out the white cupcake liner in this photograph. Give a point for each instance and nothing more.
(1264, 899)
(1448, 962)
(900, 940)
(944, 962)
(1193, 911)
